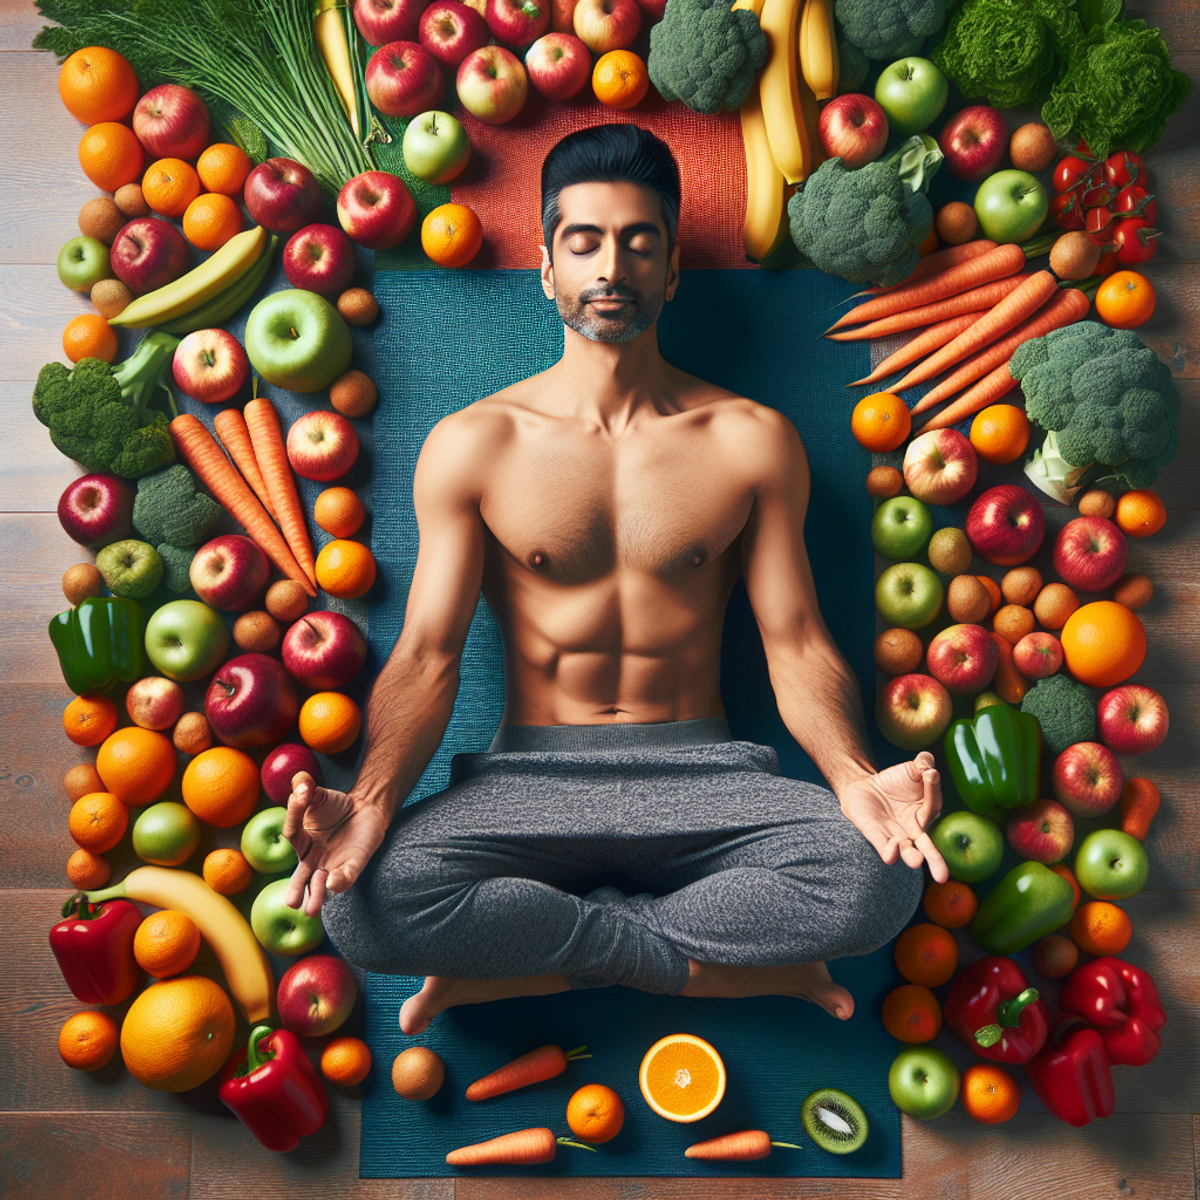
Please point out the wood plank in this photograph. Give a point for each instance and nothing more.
(1174, 330)
(19, 24)
(34, 309)
(33, 471)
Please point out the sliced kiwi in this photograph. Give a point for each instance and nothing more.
(835, 1121)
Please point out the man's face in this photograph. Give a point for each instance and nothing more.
(611, 275)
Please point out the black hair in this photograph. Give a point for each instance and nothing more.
(612, 153)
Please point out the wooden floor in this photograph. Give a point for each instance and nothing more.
(65, 1135)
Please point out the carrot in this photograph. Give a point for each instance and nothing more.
(199, 449)
(1008, 683)
(1139, 802)
(1037, 289)
(522, 1146)
(987, 391)
(231, 429)
(266, 436)
(983, 268)
(736, 1147)
(1069, 306)
(976, 300)
(939, 260)
(933, 337)
(543, 1063)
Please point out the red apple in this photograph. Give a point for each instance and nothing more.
(1006, 525)
(229, 572)
(155, 702)
(653, 10)
(383, 21)
(97, 510)
(283, 195)
(210, 366)
(963, 658)
(316, 995)
(1088, 779)
(1038, 655)
(149, 253)
(974, 142)
(517, 23)
(1132, 718)
(324, 650)
(252, 702)
(1090, 553)
(450, 31)
(559, 65)
(853, 128)
(562, 15)
(319, 258)
(1042, 831)
(321, 445)
(604, 25)
(376, 209)
(913, 711)
(404, 79)
(282, 764)
(940, 467)
(492, 84)
(172, 122)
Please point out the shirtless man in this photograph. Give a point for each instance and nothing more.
(605, 508)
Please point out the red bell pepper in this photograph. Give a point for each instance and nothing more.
(1122, 1002)
(1071, 1073)
(993, 1010)
(94, 948)
(274, 1089)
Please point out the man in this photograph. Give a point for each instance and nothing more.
(606, 507)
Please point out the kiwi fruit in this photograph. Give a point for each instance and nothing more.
(1096, 502)
(357, 306)
(1021, 585)
(287, 600)
(835, 1121)
(967, 600)
(898, 651)
(1134, 591)
(257, 632)
(417, 1073)
(956, 223)
(1032, 147)
(950, 551)
(353, 394)
(102, 219)
(80, 581)
(884, 482)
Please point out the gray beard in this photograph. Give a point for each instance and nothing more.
(600, 327)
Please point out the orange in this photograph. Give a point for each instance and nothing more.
(98, 84)
(222, 786)
(993, 590)
(1140, 513)
(682, 1077)
(87, 870)
(211, 220)
(1125, 300)
(339, 511)
(990, 1094)
(329, 722)
(951, 904)
(88, 1040)
(227, 872)
(911, 1013)
(926, 954)
(166, 943)
(346, 1061)
(98, 821)
(169, 186)
(111, 156)
(1103, 643)
(620, 79)
(595, 1113)
(80, 780)
(881, 422)
(1000, 433)
(1100, 928)
(223, 168)
(136, 764)
(451, 235)
(178, 1033)
(1069, 875)
(89, 335)
(89, 719)
(929, 245)
(345, 568)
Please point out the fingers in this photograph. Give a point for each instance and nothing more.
(937, 864)
(931, 802)
(917, 767)
(316, 892)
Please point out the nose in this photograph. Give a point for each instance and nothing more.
(612, 269)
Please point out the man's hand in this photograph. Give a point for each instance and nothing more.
(895, 807)
(333, 837)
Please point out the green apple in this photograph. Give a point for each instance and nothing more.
(1111, 865)
(972, 846)
(923, 1082)
(297, 340)
(909, 595)
(912, 92)
(436, 147)
(1011, 206)
(83, 262)
(901, 528)
(263, 843)
(166, 834)
(186, 640)
(130, 568)
(281, 929)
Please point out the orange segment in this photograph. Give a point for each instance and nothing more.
(682, 1077)
(881, 422)
(111, 156)
(98, 84)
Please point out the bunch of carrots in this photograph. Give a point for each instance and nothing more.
(977, 304)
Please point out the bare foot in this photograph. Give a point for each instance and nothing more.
(445, 991)
(807, 981)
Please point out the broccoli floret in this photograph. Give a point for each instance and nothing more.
(177, 565)
(100, 415)
(168, 508)
(889, 29)
(1109, 407)
(706, 54)
(853, 67)
(1065, 710)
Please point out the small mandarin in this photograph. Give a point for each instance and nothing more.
(166, 943)
(345, 568)
(89, 335)
(926, 954)
(911, 1013)
(98, 84)
(111, 156)
(346, 1061)
(90, 718)
(329, 722)
(227, 872)
(1100, 928)
(1140, 513)
(88, 1040)
(88, 870)
(98, 821)
(881, 422)
(451, 235)
(952, 904)
(223, 168)
(990, 1094)
(169, 186)
(211, 220)
(620, 79)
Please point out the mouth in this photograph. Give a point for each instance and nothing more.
(611, 301)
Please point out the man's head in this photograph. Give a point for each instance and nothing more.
(610, 212)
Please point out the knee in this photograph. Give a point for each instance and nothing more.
(883, 896)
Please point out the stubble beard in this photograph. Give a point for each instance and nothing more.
(622, 325)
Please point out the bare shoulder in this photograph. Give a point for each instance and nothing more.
(459, 447)
(761, 437)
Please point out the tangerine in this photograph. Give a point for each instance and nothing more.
(329, 722)
(990, 1094)
(211, 220)
(1140, 513)
(1125, 300)
(345, 568)
(926, 954)
(98, 84)
(339, 512)
(136, 764)
(682, 1077)
(620, 79)
(166, 943)
(223, 168)
(227, 872)
(911, 1013)
(993, 590)
(1013, 622)
(595, 1113)
(346, 1061)
(89, 335)
(88, 1040)
(87, 870)
(98, 821)
(881, 422)
(1069, 875)
(1000, 433)
(169, 186)
(222, 786)
(111, 156)
(1103, 643)
(951, 904)
(89, 719)
(1100, 928)
(451, 235)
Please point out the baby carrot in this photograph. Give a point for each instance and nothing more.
(519, 1147)
(231, 429)
(987, 391)
(543, 1063)
(939, 260)
(1139, 802)
(736, 1147)
(933, 337)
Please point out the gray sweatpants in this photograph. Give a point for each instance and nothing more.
(610, 854)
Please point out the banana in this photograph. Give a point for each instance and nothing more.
(818, 49)
(200, 284)
(780, 89)
(225, 304)
(764, 184)
(245, 963)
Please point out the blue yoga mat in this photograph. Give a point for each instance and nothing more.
(446, 339)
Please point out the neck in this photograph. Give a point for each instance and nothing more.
(608, 381)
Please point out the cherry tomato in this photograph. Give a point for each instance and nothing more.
(1096, 190)
(1136, 241)
(1067, 211)
(1069, 173)
(1107, 264)
(1097, 221)
(1134, 201)
(1124, 168)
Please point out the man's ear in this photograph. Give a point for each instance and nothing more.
(673, 273)
(547, 274)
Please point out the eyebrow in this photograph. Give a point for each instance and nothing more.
(639, 227)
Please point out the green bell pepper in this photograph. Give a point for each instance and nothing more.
(996, 758)
(1028, 903)
(100, 642)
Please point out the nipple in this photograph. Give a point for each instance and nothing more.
(697, 556)
(537, 559)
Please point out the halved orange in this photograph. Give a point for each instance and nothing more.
(682, 1077)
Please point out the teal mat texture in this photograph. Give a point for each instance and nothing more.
(444, 340)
